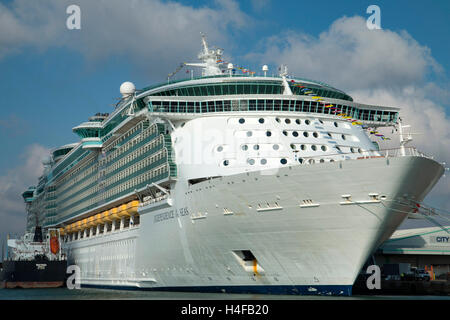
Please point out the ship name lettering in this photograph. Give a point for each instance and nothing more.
(171, 214)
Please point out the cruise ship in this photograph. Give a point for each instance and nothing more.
(230, 182)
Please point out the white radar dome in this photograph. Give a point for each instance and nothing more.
(127, 89)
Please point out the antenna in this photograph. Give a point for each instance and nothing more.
(204, 43)
(230, 68)
(283, 70)
(265, 68)
(210, 59)
(283, 73)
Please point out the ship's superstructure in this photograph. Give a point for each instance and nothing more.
(34, 261)
(230, 182)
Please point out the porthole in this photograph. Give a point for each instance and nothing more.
(329, 134)
(359, 150)
(300, 160)
(226, 163)
(241, 120)
(263, 161)
(335, 124)
(295, 133)
(307, 122)
(324, 148)
(256, 147)
(285, 132)
(343, 137)
(320, 120)
(219, 149)
(352, 150)
(277, 119)
(331, 160)
(322, 161)
(292, 146)
(306, 134)
(249, 133)
(311, 161)
(314, 147)
(303, 147)
(337, 148)
(268, 133)
(251, 161)
(276, 147)
(297, 121)
(261, 120)
(288, 121)
(283, 161)
(315, 134)
(244, 147)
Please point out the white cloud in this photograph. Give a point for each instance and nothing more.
(430, 127)
(350, 56)
(374, 66)
(260, 5)
(14, 182)
(155, 34)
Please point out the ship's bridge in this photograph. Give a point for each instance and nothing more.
(90, 134)
(28, 195)
(242, 84)
(60, 152)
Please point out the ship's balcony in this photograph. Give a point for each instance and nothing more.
(92, 143)
(91, 129)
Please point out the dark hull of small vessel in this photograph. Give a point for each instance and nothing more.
(33, 274)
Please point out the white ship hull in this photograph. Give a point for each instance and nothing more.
(310, 229)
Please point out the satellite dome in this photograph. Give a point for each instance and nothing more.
(127, 89)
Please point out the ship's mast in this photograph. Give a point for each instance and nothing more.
(403, 140)
(211, 59)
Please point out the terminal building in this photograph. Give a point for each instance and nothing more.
(427, 247)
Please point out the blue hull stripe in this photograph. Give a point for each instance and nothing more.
(335, 290)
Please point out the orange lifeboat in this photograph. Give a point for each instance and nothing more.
(122, 211)
(132, 207)
(90, 222)
(98, 218)
(105, 217)
(76, 226)
(113, 213)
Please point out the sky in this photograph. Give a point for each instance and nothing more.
(53, 78)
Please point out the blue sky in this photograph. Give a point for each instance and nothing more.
(52, 78)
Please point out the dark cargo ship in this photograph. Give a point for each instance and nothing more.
(34, 262)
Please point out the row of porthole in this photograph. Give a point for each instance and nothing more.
(312, 161)
(352, 149)
(244, 147)
(296, 134)
(313, 147)
(287, 121)
(306, 134)
(297, 121)
(260, 120)
(307, 121)
(252, 161)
